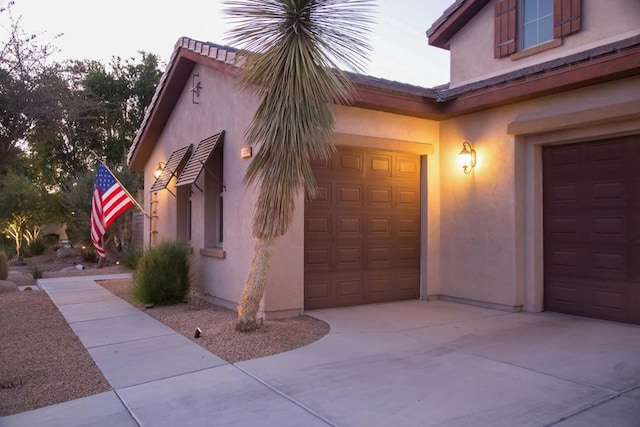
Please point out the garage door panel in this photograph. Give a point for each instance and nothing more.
(565, 195)
(349, 227)
(348, 288)
(606, 193)
(391, 286)
(563, 228)
(408, 168)
(591, 227)
(379, 164)
(406, 253)
(317, 291)
(407, 198)
(380, 254)
(379, 226)
(350, 163)
(348, 256)
(348, 196)
(608, 264)
(318, 257)
(323, 194)
(565, 294)
(612, 228)
(379, 197)
(406, 226)
(604, 155)
(563, 260)
(319, 226)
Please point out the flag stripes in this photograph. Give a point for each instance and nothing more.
(110, 200)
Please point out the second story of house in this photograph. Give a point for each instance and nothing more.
(488, 38)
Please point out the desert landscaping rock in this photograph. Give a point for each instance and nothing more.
(67, 253)
(7, 286)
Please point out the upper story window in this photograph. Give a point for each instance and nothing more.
(536, 22)
(521, 24)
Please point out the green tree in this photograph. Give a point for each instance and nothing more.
(295, 51)
(24, 207)
(30, 94)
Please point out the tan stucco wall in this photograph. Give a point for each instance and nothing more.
(490, 220)
(222, 107)
(603, 22)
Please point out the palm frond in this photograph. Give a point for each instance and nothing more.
(296, 53)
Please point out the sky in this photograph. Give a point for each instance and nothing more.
(100, 30)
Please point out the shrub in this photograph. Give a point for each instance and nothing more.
(162, 276)
(37, 271)
(37, 247)
(89, 254)
(131, 258)
(4, 266)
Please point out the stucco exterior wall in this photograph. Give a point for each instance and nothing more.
(222, 107)
(471, 48)
(491, 220)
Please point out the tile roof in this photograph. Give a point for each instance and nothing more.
(231, 56)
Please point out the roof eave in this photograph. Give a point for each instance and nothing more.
(452, 20)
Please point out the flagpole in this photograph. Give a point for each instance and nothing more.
(123, 187)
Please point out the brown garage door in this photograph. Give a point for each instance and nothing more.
(362, 232)
(592, 229)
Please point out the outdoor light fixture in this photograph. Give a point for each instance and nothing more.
(198, 333)
(467, 157)
(159, 170)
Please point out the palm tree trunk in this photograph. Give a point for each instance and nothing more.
(255, 285)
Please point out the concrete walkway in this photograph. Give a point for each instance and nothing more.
(410, 363)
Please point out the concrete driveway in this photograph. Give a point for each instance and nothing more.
(437, 363)
(410, 363)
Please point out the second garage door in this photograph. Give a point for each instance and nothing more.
(362, 231)
(592, 229)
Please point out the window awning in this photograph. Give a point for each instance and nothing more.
(174, 166)
(197, 161)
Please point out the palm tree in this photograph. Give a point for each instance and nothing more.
(295, 52)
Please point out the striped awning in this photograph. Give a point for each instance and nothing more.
(197, 161)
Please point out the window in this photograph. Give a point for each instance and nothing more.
(536, 22)
(183, 214)
(208, 157)
(527, 23)
(213, 198)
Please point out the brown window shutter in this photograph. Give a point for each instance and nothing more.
(505, 28)
(567, 17)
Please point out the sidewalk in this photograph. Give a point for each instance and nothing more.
(158, 376)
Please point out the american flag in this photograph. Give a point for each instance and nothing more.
(110, 200)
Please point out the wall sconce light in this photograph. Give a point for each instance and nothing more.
(467, 157)
(245, 152)
(159, 170)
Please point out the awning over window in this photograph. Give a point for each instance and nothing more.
(197, 161)
(174, 166)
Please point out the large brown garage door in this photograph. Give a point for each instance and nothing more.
(592, 229)
(362, 232)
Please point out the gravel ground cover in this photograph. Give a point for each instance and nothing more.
(42, 362)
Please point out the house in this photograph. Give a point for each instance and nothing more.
(546, 97)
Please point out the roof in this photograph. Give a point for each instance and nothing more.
(372, 92)
(452, 20)
(604, 63)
